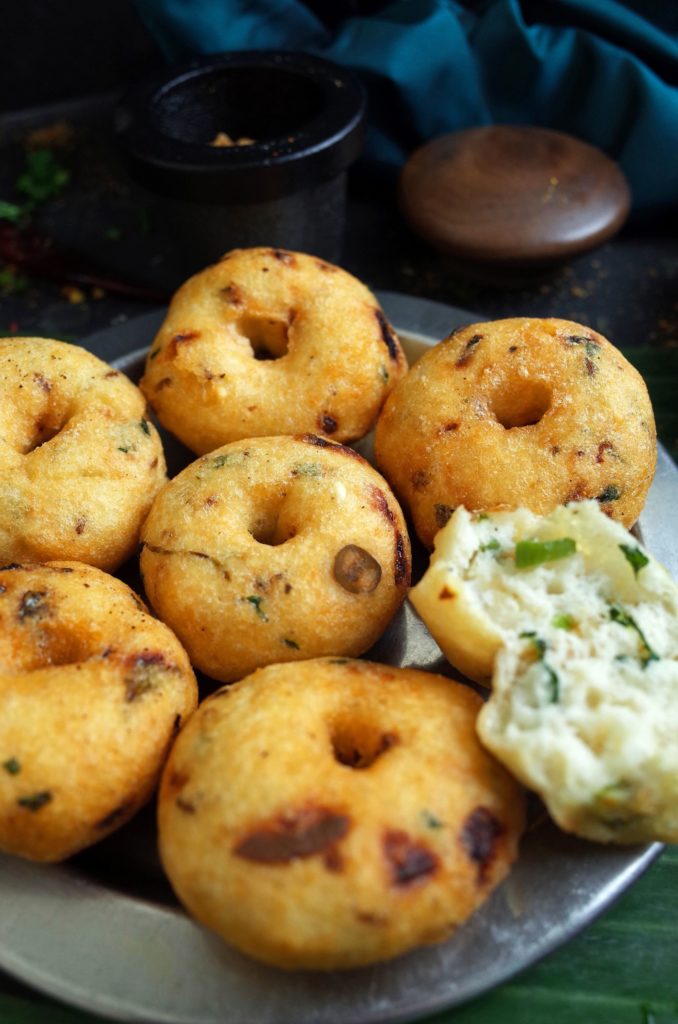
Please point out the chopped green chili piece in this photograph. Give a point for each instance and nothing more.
(256, 602)
(614, 792)
(622, 617)
(492, 545)
(145, 427)
(611, 493)
(592, 347)
(121, 449)
(35, 801)
(535, 552)
(220, 460)
(553, 684)
(430, 820)
(539, 646)
(617, 614)
(564, 621)
(12, 766)
(635, 557)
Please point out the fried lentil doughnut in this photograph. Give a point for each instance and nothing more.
(518, 412)
(79, 462)
(271, 342)
(92, 691)
(330, 813)
(275, 549)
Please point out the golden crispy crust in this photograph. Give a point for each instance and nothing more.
(79, 462)
(271, 342)
(275, 549)
(92, 691)
(334, 813)
(518, 412)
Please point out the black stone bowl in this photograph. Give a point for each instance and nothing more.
(286, 188)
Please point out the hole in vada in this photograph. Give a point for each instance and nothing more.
(267, 529)
(358, 744)
(44, 431)
(268, 336)
(57, 647)
(521, 406)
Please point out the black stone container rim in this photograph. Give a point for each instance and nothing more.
(326, 146)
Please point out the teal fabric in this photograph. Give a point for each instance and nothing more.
(597, 69)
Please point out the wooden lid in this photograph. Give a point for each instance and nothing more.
(513, 194)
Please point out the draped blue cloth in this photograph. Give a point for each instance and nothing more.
(597, 69)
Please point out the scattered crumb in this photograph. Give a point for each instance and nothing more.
(73, 294)
(59, 133)
(224, 139)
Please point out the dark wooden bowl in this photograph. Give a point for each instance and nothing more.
(513, 194)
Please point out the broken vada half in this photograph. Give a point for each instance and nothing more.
(577, 626)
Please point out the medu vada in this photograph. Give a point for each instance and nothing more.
(275, 549)
(80, 463)
(334, 813)
(531, 412)
(93, 690)
(271, 342)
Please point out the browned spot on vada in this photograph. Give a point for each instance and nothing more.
(518, 412)
(268, 342)
(92, 691)
(79, 462)
(334, 813)
(275, 549)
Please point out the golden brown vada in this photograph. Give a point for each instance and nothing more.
(331, 813)
(515, 412)
(275, 549)
(271, 342)
(92, 691)
(80, 463)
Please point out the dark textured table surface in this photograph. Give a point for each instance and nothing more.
(626, 289)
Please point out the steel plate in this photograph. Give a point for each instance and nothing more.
(103, 932)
